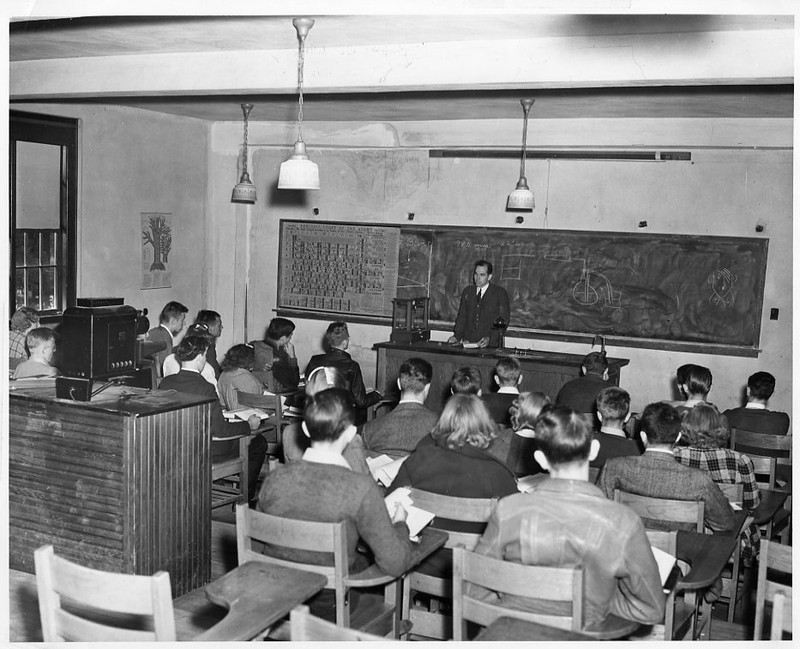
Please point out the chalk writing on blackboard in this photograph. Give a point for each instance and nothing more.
(723, 292)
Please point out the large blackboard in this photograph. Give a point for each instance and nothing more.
(674, 288)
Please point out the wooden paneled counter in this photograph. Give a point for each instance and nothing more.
(541, 371)
(121, 483)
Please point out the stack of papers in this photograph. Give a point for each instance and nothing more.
(244, 414)
(384, 469)
(417, 518)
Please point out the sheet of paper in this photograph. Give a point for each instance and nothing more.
(244, 414)
(736, 507)
(665, 562)
(384, 469)
(471, 345)
(417, 518)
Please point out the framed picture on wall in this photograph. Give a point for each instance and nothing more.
(156, 246)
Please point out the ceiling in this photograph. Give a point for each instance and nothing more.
(394, 68)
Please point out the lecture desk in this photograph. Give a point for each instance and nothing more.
(541, 371)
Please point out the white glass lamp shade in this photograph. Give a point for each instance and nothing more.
(522, 197)
(298, 172)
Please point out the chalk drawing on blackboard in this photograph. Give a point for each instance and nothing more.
(723, 288)
(592, 285)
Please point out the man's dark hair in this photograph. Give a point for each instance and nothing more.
(483, 262)
(563, 435)
(661, 422)
(207, 317)
(761, 385)
(328, 414)
(698, 380)
(336, 334)
(595, 362)
(613, 403)
(239, 356)
(279, 327)
(171, 311)
(415, 374)
(190, 347)
(508, 370)
(466, 380)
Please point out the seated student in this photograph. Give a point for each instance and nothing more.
(696, 387)
(508, 375)
(454, 461)
(681, 377)
(41, 343)
(755, 416)
(466, 380)
(211, 322)
(172, 365)
(296, 441)
(580, 394)
(658, 474)
(321, 487)
(613, 411)
(398, 433)
(191, 355)
(569, 523)
(24, 320)
(524, 412)
(237, 377)
(275, 359)
(337, 340)
(168, 333)
(707, 433)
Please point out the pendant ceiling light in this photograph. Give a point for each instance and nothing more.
(522, 197)
(244, 191)
(298, 172)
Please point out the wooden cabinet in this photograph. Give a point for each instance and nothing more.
(541, 371)
(120, 484)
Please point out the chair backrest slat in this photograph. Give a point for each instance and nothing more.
(764, 444)
(678, 513)
(774, 557)
(309, 628)
(453, 507)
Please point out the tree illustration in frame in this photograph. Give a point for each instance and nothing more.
(156, 246)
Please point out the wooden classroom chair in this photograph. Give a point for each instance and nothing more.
(553, 584)
(777, 558)
(229, 477)
(730, 582)
(432, 624)
(98, 602)
(309, 628)
(330, 538)
(677, 514)
(679, 617)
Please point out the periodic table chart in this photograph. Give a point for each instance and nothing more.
(338, 268)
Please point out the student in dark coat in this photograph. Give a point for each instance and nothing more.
(755, 416)
(580, 394)
(507, 375)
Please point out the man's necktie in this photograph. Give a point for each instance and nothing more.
(478, 298)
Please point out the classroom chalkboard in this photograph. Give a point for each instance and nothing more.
(678, 288)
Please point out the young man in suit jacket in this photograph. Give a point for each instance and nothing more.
(755, 416)
(399, 432)
(480, 306)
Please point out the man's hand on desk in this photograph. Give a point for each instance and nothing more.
(400, 514)
(452, 340)
(483, 342)
(254, 421)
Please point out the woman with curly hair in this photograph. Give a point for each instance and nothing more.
(237, 377)
(706, 434)
(524, 412)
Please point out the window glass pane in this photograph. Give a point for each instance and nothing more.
(31, 249)
(48, 288)
(20, 288)
(32, 293)
(48, 247)
(19, 245)
(38, 185)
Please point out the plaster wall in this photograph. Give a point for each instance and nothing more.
(740, 175)
(133, 161)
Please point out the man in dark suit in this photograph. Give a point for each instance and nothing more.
(480, 306)
(580, 394)
(755, 416)
(168, 333)
(191, 353)
(613, 411)
(398, 433)
(507, 375)
(659, 475)
(337, 340)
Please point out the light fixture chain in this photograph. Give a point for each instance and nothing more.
(301, 61)
(525, 110)
(246, 112)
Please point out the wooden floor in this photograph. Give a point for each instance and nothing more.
(193, 612)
